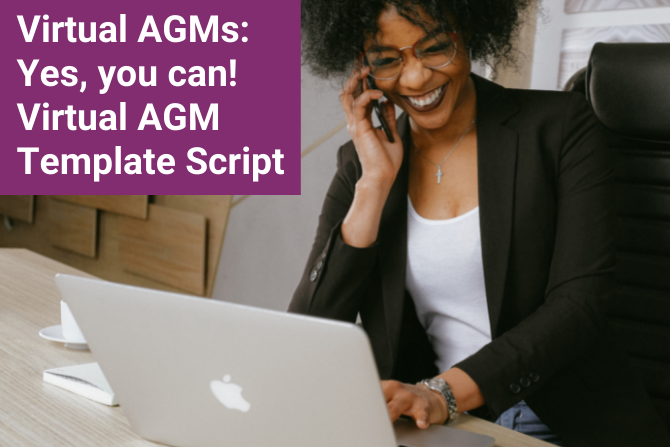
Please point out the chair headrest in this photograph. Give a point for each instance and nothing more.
(628, 86)
(577, 82)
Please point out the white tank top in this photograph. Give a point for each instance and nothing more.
(445, 276)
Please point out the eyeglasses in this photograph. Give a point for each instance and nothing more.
(435, 50)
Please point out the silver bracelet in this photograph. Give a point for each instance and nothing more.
(443, 387)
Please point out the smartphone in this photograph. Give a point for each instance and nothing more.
(378, 111)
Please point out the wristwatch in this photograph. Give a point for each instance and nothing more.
(442, 386)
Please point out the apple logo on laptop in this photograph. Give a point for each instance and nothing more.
(229, 394)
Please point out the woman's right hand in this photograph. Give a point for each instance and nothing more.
(380, 159)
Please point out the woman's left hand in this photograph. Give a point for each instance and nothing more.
(419, 402)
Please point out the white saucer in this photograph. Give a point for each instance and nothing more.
(55, 333)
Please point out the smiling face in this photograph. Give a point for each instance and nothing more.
(429, 96)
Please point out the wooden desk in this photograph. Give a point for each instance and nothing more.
(34, 413)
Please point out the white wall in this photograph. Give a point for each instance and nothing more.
(269, 237)
(548, 38)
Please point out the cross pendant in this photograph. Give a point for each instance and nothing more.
(439, 174)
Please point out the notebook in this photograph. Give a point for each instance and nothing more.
(86, 380)
(193, 372)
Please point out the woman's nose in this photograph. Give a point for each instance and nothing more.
(414, 74)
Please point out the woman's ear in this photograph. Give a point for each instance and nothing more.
(465, 39)
(359, 62)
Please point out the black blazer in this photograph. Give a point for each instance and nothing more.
(547, 220)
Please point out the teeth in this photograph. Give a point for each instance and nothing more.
(427, 101)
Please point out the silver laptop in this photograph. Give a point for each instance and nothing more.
(194, 372)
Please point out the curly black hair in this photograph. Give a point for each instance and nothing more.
(333, 31)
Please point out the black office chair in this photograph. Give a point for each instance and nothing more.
(577, 82)
(628, 87)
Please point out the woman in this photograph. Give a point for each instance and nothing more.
(476, 241)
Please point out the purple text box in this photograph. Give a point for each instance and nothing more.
(260, 112)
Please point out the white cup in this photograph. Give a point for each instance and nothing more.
(71, 331)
